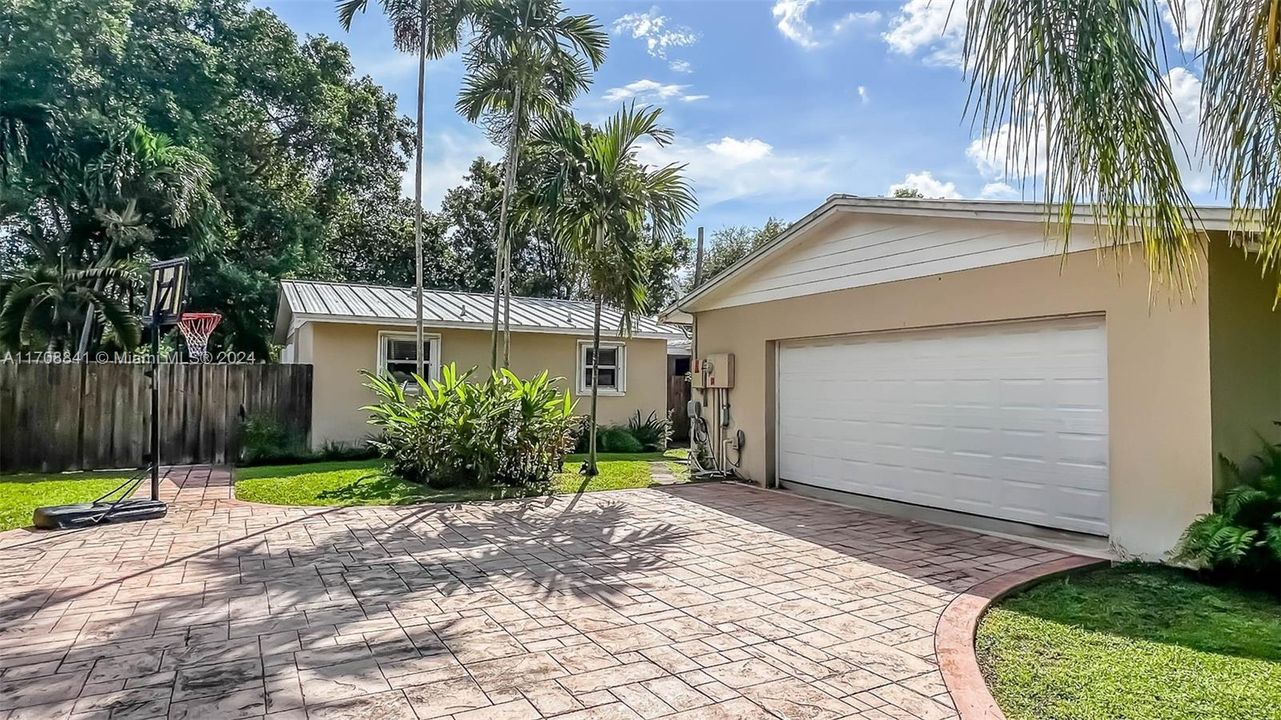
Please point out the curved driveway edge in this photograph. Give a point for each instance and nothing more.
(958, 626)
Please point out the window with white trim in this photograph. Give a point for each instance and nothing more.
(396, 356)
(612, 368)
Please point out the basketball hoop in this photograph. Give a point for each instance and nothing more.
(196, 329)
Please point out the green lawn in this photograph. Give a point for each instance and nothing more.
(363, 482)
(20, 495)
(1134, 642)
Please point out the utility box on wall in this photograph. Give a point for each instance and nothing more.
(714, 371)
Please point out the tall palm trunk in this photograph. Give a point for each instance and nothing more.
(590, 469)
(418, 198)
(502, 258)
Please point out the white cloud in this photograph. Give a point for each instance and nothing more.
(857, 19)
(790, 15)
(928, 185)
(862, 94)
(932, 28)
(1186, 27)
(1185, 117)
(796, 26)
(657, 32)
(646, 90)
(680, 66)
(999, 191)
(741, 151)
(733, 168)
(447, 158)
(1001, 155)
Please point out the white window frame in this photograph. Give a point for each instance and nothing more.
(583, 386)
(432, 340)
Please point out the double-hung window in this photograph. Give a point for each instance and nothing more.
(611, 367)
(396, 356)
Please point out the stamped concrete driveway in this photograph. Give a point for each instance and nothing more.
(696, 601)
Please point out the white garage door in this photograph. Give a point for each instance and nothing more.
(1006, 421)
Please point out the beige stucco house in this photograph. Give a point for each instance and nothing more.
(342, 329)
(941, 357)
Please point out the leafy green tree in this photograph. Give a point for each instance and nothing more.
(471, 212)
(306, 158)
(663, 258)
(1082, 85)
(89, 207)
(600, 201)
(733, 243)
(431, 29)
(528, 59)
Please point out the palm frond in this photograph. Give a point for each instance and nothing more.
(1076, 89)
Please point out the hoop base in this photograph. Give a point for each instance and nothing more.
(61, 517)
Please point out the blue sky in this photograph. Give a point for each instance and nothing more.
(776, 104)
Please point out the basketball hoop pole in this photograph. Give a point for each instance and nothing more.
(156, 319)
(164, 301)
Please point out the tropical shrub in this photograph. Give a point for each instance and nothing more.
(609, 438)
(265, 440)
(453, 432)
(617, 439)
(1241, 540)
(653, 432)
(336, 451)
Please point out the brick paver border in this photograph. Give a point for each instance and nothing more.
(958, 626)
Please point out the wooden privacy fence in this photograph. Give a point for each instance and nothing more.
(73, 416)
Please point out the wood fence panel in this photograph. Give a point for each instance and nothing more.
(56, 417)
(115, 408)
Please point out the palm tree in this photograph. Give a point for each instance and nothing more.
(601, 202)
(527, 60)
(41, 304)
(1078, 88)
(101, 204)
(432, 29)
(140, 178)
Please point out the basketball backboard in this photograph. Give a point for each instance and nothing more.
(167, 292)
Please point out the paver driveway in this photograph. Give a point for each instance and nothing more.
(696, 601)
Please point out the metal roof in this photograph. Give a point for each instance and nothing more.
(313, 300)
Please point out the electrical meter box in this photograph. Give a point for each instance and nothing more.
(714, 371)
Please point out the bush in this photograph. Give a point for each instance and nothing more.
(334, 451)
(1241, 540)
(265, 440)
(609, 438)
(617, 439)
(653, 433)
(454, 433)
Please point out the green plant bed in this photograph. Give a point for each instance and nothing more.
(367, 482)
(1135, 642)
(20, 495)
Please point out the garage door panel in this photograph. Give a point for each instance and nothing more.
(1005, 420)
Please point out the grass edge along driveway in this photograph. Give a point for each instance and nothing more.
(1139, 642)
(363, 482)
(21, 494)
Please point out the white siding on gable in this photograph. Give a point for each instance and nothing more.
(869, 249)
